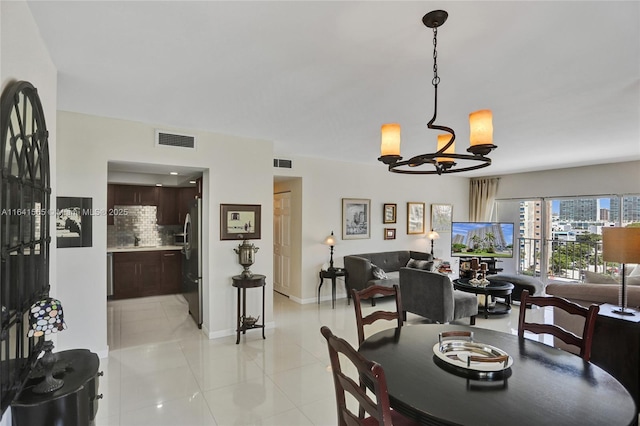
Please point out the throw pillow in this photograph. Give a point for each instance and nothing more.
(595, 278)
(427, 265)
(378, 273)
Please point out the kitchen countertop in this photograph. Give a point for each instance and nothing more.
(141, 248)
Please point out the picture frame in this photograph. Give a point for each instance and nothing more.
(441, 216)
(389, 213)
(415, 218)
(240, 221)
(389, 233)
(74, 221)
(356, 218)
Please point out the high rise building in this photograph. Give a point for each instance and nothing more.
(630, 209)
(579, 209)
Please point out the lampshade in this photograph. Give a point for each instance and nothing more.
(433, 235)
(442, 141)
(621, 245)
(390, 141)
(330, 240)
(46, 317)
(481, 127)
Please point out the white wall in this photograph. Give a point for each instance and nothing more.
(237, 171)
(24, 57)
(325, 183)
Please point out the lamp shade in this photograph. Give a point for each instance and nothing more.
(481, 127)
(433, 235)
(390, 140)
(330, 240)
(621, 245)
(46, 317)
(442, 141)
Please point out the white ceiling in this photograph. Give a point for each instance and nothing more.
(319, 78)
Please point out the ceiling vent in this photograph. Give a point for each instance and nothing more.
(284, 164)
(175, 140)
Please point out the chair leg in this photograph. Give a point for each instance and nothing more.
(404, 315)
(472, 320)
(373, 301)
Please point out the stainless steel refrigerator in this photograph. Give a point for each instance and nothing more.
(192, 260)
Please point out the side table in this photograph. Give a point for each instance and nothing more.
(331, 274)
(75, 403)
(242, 284)
(616, 347)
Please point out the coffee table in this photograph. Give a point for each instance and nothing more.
(495, 288)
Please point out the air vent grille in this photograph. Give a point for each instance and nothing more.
(176, 140)
(284, 164)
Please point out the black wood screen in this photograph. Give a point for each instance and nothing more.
(24, 230)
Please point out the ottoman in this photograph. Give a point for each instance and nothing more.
(520, 282)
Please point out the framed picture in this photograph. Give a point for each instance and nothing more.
(415, 218)
(73, 222)
(389, 213)
(356, 221)
(441, 215)
(240, 221)
(389, 233)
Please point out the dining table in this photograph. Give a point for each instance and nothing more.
(542, 384)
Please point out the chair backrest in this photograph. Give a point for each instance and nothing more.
(583, 342)
(369, 293)
(369, 371)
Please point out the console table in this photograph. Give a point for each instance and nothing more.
(331, 274)
(242, 284)
(74, 404)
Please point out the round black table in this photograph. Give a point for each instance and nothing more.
(544, 385)
(495, 288)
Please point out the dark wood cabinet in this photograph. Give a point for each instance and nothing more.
(74, 404)
(135, 195)
(146, 273)
(111, 192)
(465, 270)
(168, 206)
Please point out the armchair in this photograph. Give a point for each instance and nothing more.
(431, 295)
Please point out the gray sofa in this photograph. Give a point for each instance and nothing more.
(521, 282)
(431, 295)
(360, 268)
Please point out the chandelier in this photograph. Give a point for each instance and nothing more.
(444, 160)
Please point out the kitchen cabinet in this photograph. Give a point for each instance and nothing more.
(168, 206)
(146, 273)
(135, 195)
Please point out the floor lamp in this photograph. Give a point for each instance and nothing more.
(621, 245)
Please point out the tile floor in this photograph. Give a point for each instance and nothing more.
(178, 377)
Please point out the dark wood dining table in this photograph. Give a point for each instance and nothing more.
(544, 385)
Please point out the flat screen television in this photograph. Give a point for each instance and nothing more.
(482, 239)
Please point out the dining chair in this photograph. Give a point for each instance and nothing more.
(583, 342)
(378, 412)
(369, 293)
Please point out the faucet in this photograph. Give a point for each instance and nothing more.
(136, 240)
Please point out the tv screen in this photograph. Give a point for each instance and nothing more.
(482, 239)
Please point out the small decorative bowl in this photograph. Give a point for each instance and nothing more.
(249, 321)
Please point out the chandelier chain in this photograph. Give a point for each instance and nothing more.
(435, 79)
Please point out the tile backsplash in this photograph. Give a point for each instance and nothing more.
(141, 222)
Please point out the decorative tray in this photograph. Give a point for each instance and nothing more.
(467, 355)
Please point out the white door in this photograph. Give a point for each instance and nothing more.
(282, 242)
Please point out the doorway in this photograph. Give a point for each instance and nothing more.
(282, 242)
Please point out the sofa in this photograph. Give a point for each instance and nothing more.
(431, 295)
(367, 269)
(520, 282)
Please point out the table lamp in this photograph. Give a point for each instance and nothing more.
(46, 317)
(621, 245)
(433, 235)
(330, 241)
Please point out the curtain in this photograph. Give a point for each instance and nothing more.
(482, 195)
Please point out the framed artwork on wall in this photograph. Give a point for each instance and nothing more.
(240, 221)
(389, 213)
(389, 233)
(73, 222)
(356, 221)
(415, 218)
(441, 216)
